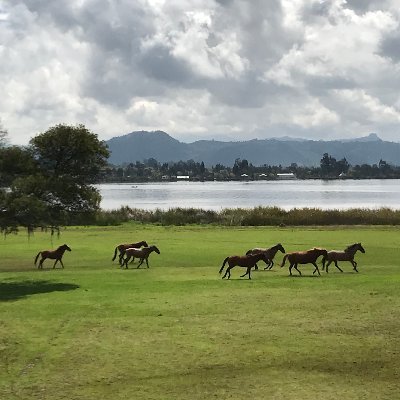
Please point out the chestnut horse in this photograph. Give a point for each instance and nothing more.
(269, 253)
(304, 257)
(122, 248)
(346, 255)
(52, 254)
(248, 261)
(142, 253)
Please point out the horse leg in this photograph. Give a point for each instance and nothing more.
(354, 265)
(141, 262)
(133, 259)
(127, 258)
(327, 265)
(40, 266)
(295, 267)
(147, 262)
(256, 266)
(121, 258)
(271, 264)
(247, 273)
(316, 268)
(290, 269)
(227, 272)
(54, 265)
(337, 266)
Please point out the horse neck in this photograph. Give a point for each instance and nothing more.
(351, 250)
(317, 253)
(61, 250)
(273, 250)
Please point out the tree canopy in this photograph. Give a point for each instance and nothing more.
(50, 181)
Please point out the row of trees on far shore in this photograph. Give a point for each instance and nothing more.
(330, 168)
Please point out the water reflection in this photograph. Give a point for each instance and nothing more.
(285, 194)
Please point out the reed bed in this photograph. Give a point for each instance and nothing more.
(258, 216)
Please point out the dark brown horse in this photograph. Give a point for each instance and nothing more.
(142, 253)
(346, 255)
(122, 248)
(269, 253)
(248, 261)
(304, 257)
(52, 254)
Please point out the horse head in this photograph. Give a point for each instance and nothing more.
(320, 251)
(65, 247)
(143, 243)
(155, 248)
(280, 247)
(359, 247)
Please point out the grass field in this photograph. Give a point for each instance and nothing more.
(178, 331)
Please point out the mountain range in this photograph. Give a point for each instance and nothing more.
(141, 145)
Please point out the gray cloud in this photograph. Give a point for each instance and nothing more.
(321, 69)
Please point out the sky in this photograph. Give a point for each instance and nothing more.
(201, 69)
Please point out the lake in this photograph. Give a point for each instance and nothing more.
(337, 194)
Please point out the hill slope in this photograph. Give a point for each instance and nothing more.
(137, 146)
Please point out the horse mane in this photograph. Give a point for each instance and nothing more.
(350, 247)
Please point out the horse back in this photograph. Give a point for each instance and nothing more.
(302, 257)
(135, 252)
(338, 256)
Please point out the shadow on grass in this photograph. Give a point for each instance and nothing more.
(19, 290)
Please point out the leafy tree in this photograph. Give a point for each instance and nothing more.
(15, 162)
(67, 159)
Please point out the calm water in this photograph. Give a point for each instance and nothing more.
(285, 194)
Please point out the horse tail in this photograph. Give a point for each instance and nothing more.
(223, 264)
(284, 259)
(36, 258)
(115, 253)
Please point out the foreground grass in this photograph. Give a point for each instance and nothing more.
(177, 331)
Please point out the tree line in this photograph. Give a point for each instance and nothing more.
(150, 170)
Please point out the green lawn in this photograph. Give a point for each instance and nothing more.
(178, 331)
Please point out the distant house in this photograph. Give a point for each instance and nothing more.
(288, 175)
(165, 178)
(182, 177)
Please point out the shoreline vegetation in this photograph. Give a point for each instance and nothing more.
(257, 216)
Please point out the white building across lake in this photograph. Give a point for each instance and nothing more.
(289, 175)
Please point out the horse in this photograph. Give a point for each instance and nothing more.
(346, 255)
(122, 248)
(270, 254)
(304, 257)
(142, 253)
(52, 254)
(248, 261)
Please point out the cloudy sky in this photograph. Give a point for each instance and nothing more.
(224, 69)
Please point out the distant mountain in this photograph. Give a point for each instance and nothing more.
(137, 146)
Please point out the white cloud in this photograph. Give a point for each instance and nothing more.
(201, 68)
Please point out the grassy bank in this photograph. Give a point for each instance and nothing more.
(177, 331)
(257, 216)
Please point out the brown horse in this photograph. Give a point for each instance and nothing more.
(52, 254)
(346, 255)
(269, 253)
(304, 257)
(122, 248)
(142, 253)
(248, 261)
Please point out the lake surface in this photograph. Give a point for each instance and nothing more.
(337, 194)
